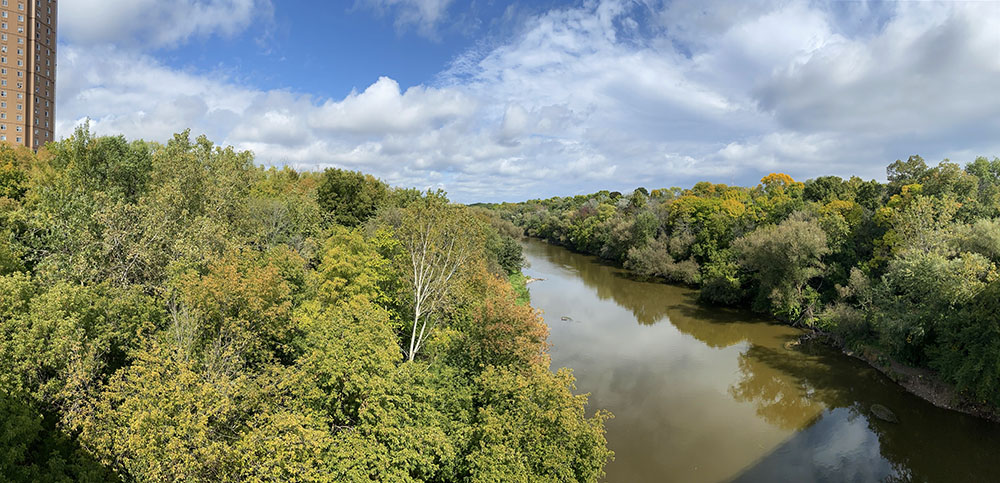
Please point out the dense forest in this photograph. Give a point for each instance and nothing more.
(906, 270)
(172, 312)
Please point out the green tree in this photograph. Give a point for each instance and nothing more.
(350, 198)
(438, 242)
(783, 259)
(969, 350)
(902, 173)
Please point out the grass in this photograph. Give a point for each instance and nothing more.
(519, 282)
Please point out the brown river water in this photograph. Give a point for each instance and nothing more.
(711, 394)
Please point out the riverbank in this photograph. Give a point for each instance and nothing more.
(927, 385)
(920, 381)
(520, 284)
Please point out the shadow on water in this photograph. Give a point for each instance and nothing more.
(847, 443)
(727, 400)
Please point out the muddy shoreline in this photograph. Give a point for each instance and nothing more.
(921, 382)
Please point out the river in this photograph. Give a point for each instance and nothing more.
(712, 394)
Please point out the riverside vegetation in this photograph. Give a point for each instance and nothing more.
(905, 270)
(171, 312)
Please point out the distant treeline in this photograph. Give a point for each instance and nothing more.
(908, 268)
(172, 312)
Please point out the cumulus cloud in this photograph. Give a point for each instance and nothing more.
(382, 108)
(611, 94)
(932, 67)
(133, 94)
(155, 23)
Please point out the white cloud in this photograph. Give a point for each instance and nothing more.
(381, 108)
(155, 23)
(424, 15)
(133, 94)
(607, 95)
(933, 67)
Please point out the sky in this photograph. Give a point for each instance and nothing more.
(506, 101)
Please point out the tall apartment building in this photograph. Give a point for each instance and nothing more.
(27, 71)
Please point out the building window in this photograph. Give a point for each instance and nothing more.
(3, 137)
(3, 127)
(18, 139)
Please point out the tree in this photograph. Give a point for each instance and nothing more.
(174, 312)
(654, 260)
(825, 189)
(988, 193)
(512, 444)
(350, 198)
(919, 292)
(437, 242)
(506, 251)
(783, 259)
(969, 352)
(902, 173)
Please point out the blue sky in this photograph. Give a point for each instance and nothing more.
(326, 49)
(494, 100)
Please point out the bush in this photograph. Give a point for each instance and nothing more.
(653, 260)
(968, 353)
(720, 283)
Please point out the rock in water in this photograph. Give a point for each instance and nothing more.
(791, 345)
(566, 318)
(884, 413)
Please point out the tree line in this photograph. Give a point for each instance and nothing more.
(172, 312)
(907, 269)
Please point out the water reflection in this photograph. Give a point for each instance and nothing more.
(779, 397)
(708, 394)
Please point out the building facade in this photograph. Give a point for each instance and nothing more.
(27, 71)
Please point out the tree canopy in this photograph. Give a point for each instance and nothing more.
(173, 312)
